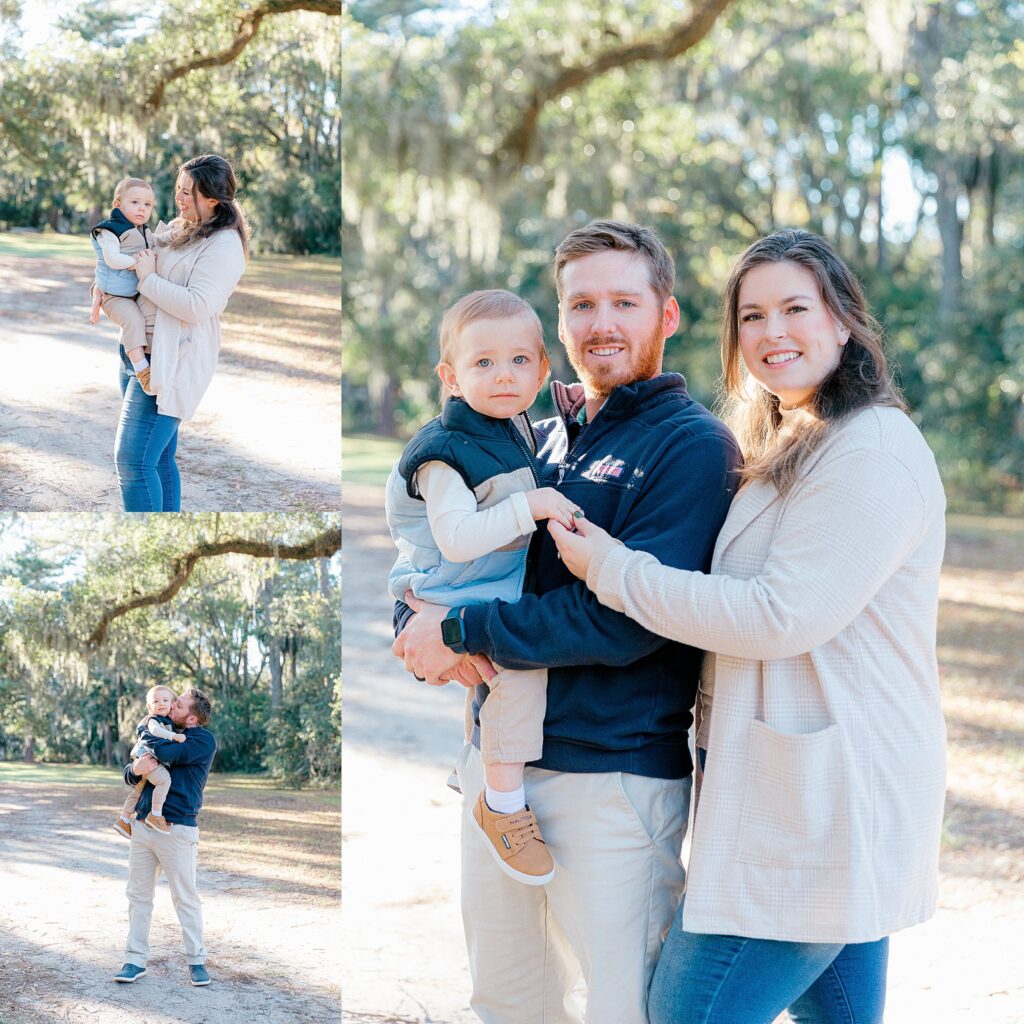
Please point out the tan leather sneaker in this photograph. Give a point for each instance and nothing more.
(515, 843)
(157, 822)
(123, 827)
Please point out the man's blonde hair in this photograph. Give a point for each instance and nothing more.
(126, 183)
(490, 304)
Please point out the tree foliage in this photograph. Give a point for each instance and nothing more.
(892, 128)
(119, 90)
(258, 633)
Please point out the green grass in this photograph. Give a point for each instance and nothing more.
(275, 270)
(320, 272)
(99, 775)
(367, 459)
(57, 774)
(46, 245)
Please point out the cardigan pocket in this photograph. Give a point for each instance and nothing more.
(795, 807)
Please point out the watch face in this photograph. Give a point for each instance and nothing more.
(451, 631)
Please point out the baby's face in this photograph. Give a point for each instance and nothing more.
(498, 366)
(136, 204)
(159, 701)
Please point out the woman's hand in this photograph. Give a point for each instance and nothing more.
(578, 549)
(145, 263)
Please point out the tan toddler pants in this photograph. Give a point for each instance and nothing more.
(512, 717)
(161, 779)
(133, 316)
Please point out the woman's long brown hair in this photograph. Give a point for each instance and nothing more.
(861, 379)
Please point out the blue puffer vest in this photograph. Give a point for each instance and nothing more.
(115, 282)
(495, 460)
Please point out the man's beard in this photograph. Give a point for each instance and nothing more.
(645, 362)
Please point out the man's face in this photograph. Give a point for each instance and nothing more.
(611, 322)
(181, 709)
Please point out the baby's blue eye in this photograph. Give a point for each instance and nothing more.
(521, 360)
(483, 362)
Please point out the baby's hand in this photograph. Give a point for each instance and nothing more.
(179, 737)
(547, 503)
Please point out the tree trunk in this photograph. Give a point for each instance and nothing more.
(323, 565)
(387, 405)
(108, 747)
(951, 233)
(273, 644)
(29, 750)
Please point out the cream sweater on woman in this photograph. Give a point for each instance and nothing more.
(190, 289)
(821, 808)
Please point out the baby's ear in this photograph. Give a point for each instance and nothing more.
(448, 378)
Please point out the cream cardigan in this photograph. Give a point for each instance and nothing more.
(190, 289)
(821, 808)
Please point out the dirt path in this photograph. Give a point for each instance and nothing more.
(63, 920)
(266, 436)
(404, 960)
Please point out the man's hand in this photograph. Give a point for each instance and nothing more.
(144, 765)
(425, 655)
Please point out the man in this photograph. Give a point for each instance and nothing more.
(612, 789)
(174, 852)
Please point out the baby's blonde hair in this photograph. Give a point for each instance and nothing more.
(490, 304)
(153, 689)
(126, 183)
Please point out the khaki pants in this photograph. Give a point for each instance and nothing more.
(133, 316)
(512, 717)
(175, 853)
(160, 777)
(616, 841)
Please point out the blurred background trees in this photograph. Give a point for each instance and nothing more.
(110, 88)
(259, 635)
(477, 136)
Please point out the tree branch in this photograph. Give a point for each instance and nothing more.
(518, 141)
(321, 546)
(248, 25)
(731, 75)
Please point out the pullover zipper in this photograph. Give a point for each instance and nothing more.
(531, 461)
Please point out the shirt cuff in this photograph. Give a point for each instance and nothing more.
(525, 523)
(474, 622)
(606, 575)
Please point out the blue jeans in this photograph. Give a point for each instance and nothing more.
(728, 979)
(144, 450)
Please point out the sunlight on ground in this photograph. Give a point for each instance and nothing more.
(367, 458)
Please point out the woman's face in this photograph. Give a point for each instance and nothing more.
(192, 204)
(789, 339)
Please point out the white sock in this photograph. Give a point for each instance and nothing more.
(505, 803)
(140, 365)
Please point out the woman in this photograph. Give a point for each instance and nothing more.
(190, 281)
(817, 830)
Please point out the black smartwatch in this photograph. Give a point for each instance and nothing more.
(453, 631)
